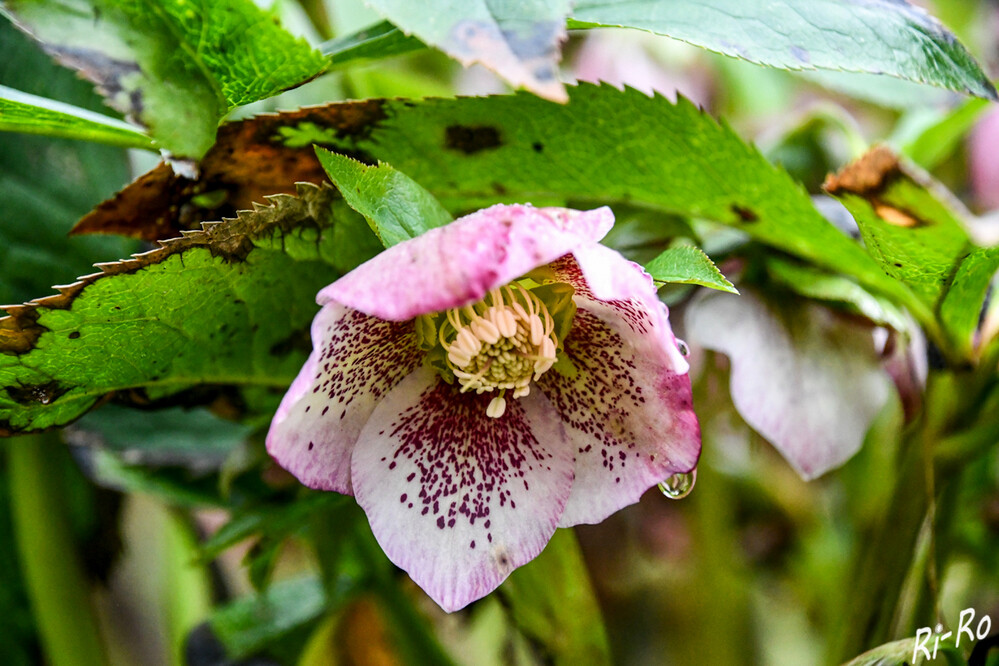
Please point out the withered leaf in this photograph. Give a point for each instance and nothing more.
(250, 160)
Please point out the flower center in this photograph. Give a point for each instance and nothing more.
(500, 343)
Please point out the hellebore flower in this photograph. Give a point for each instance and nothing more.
(483, 384)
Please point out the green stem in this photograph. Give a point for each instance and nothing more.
(958, 420)
(57, 586)
(186, 584)
(880, 570)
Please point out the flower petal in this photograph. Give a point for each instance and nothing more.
(355, 360)
(805, 378)
(623, 286)
(454, 497)
(459, 263)
(627, 411)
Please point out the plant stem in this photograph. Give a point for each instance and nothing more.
(876, 611)
(56, 583)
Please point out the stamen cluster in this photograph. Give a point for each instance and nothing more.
(500, 343)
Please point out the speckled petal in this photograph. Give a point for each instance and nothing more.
(355, 360)
(454, 497)
(457, 264)
(627, 411)
(625, 287)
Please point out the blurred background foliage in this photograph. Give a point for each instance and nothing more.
(187, 545)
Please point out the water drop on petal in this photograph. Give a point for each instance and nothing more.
(679, 486)
(683, 347)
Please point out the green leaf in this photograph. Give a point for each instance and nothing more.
(476, 151)
(276, 521)
(819, 285)
(472, 152)
(686, 264)
(517, 39)
(909, 226)
(31, 114)
(962, 304)
(396, 207)
(382, 40)
(248, 625)
(51, 560)
(933, 136)
(893, 38)
(48, 184)
(230, 305)
(175, 66)
(551, 600)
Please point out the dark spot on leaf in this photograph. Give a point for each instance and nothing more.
(898, 265)
(35, 393)
(745, 214)
(538, 147)
(801, 54)
(74, 335)
(471, 139)
(499, 189)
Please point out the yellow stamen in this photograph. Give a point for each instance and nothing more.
(502, 343)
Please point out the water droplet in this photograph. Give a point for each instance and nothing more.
(683, 347)
(679, 486)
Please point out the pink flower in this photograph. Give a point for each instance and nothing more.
(483, 384)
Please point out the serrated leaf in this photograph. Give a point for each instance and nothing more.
(230, 305)
(551, 600)
(31, 114)
(471, 152)
(396, 207)
(913, 229)
(893, 38)
(686, 264)
(47, 184)
(175, 66)
(517, 39)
